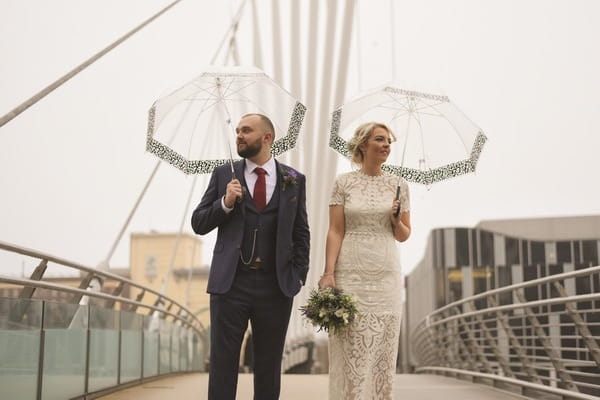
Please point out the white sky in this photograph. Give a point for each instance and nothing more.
(73, 165)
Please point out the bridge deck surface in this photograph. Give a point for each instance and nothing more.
(314, 387)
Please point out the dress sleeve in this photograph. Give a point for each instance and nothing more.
(404, 197)
(338, 196)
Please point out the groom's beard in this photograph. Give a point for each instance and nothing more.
(250, 150)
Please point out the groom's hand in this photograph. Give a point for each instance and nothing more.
(234, 190)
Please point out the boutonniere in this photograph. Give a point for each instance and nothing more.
(289, 177)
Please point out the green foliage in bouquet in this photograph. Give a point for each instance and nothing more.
(329, 309)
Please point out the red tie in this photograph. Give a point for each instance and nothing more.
(260, 190)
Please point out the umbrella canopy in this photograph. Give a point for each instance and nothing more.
(193, 127)
(435, 140)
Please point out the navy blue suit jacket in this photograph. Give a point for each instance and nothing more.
(293, 237)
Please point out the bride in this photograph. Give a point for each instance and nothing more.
(362, 260)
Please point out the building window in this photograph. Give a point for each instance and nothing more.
(590, 252)
(151, 267)
(504, 278)
(440, 291)
(524, 252)
(530, 273)
(462, 247)
(487, 248)
(538, 252)
(512, 251)
(576, 252)
(563, 252)
(454, 284)
(474, 245)
(555, 269)
(483, 280)
(583, 285)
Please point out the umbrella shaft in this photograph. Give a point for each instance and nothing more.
(397, 198)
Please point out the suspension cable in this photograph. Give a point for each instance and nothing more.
(104, 264)
(48, 89)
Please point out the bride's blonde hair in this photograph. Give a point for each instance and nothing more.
(361, 136)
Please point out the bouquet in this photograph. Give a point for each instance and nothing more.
(329, 309)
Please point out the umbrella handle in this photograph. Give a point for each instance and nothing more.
(239, 198)
(397, 198)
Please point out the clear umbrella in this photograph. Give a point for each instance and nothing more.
(435, 140)
(193, 128)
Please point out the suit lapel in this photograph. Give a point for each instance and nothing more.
(284, 195)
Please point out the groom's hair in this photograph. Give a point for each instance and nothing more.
(266, 121)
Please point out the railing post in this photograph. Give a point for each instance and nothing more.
(438, 345)
(37, 274)
(494, 346)
(40, 377)
(85, 283)
(554, 357)
(582, 328)
(117, 292)
(474, 346)
(463, 348)
(138, 298)
(143, 349)
(87, 350)
(120, 328)
(525, 361)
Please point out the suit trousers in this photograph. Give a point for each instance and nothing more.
(254, 296)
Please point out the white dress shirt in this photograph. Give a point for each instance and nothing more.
(270, 179)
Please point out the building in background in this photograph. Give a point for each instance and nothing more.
(462, 262)
(150, 257)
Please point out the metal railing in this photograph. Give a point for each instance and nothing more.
(93, 342)
(539, 336)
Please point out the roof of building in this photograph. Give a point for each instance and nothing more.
(546, 228)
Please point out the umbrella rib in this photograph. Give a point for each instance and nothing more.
(455, 130)
(228, 116)
(432, 107)
(405, 142)
(422, 139)
(395, 100)
(398, 115)
(211, 96)
(210, 89)
(225, 96)
(211, 93)
(225, 91)
(263, 112)
(430, 114)
(401, 107)
(393, 108)
(202, 109)
(236, 90)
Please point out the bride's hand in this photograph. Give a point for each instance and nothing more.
(395, 217)
(327, 281)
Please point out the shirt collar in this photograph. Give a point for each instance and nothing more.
(269, 166)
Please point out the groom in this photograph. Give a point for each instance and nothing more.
(260, 259)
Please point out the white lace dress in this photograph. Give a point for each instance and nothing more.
(362, 361)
